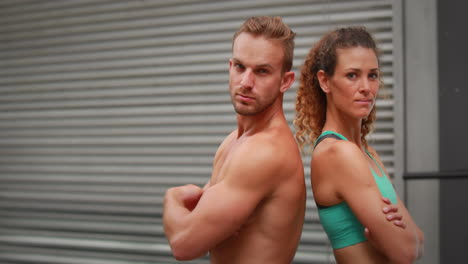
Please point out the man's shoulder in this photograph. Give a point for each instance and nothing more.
(279, 136)
(274, 145)
(278, 154)
(272, 151)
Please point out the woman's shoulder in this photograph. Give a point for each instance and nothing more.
(336, 158)
(334, 150)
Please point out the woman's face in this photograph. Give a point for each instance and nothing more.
(354, 86)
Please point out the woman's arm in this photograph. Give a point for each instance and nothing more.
(404, 213)
(398, 216)
(348, 169)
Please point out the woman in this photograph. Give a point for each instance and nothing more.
(335, 108)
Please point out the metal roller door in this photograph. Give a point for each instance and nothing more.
(106, 104)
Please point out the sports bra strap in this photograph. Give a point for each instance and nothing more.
(326, 136)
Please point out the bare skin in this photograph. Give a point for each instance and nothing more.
(341, 169)
(276, 222)
(252, 209)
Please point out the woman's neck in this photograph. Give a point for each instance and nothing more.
(347, 126)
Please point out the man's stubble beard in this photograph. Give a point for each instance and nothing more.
(258, 109)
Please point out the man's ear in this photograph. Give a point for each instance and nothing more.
(287, 81)
(324, 81)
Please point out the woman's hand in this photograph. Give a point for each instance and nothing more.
(391, 214)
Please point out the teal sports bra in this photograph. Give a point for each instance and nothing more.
(339, 222)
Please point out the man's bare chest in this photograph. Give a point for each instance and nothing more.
(223, 163)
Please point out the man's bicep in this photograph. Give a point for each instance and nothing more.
(226, 205)
(221, 212)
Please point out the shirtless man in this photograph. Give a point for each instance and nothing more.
(252, 209)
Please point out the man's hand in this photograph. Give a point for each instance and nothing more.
(186, 195)
(191, 194)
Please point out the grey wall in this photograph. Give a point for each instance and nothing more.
(453, 124)
(421, 115)
(453, 84)
(436, 99)
(453, 221)
(106, 104)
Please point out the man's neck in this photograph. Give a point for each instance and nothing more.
(250, 124)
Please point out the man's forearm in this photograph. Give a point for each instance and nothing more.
(174, 213)
(177, 224)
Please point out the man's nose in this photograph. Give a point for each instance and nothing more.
(248, 79)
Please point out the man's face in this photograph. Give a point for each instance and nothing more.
(255, 73)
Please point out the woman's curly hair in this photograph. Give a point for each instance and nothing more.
(311, 101)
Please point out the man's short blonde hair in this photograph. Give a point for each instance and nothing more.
(271, 28)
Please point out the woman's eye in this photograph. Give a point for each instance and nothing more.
(351, 75)
(374, 76)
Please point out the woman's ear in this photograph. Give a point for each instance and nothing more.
(287, 81)
(324, 81)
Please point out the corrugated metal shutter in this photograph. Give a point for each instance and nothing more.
(106, 104)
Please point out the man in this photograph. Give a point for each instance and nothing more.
(252, 209)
